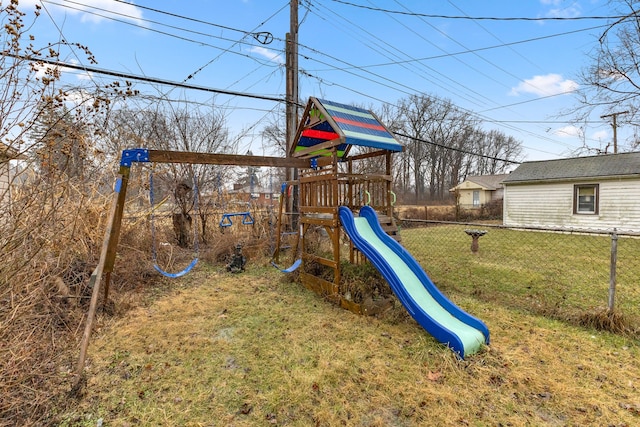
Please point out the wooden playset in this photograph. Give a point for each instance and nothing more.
(328, 178)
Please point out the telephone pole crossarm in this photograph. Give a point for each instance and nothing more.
(614, 125)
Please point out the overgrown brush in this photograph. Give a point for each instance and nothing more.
(49, 236)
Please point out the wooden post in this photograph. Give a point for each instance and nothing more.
(337, 230)
(107, 257)
(612, 270)
(276, 253)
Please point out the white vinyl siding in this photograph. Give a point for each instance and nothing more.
(551, 205)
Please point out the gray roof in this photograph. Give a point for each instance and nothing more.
(256, 189)
(608, 165)
(490, 182)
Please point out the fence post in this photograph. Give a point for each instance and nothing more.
(612, 270)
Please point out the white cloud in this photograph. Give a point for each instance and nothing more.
(601, 135)
(268, 53)
(568, 132)
(548, 85)
(571, 11)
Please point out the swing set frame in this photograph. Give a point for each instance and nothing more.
(107, 258)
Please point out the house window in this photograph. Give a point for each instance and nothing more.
(476, 198)
(585, 199)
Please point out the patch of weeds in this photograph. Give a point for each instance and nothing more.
(607, 320)
(359, 282)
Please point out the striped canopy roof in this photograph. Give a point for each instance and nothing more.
(327, 125)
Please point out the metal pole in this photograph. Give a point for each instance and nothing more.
(612, 270)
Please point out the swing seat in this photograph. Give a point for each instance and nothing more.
(153, 233)
(247, 219)
(226, 221)
(291, 269)
(179, 273)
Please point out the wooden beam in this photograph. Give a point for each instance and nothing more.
(163, 156)
(368, 155)
(313, 150)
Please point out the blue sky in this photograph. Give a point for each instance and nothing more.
(516, 75)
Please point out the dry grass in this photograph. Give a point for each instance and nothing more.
(253, 349)
(431, 213)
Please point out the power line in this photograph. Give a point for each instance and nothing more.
(479, 49)
(219, 91)
(485, 29)
(481, 18)
(412, 90)
(110, 17)
(144, 79)
(262, 37)
(190, 76)
(377, 77)
(460, 150)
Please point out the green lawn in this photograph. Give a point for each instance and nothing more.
(562, 275)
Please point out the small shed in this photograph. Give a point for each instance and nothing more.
(478, 190)
(594, 192)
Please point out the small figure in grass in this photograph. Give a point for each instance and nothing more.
(236, 265)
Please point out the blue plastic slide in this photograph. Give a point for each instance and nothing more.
(440, 317)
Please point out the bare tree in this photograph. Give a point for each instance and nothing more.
(415, 119)
(274, 134)
(491, 149)
(610, 84)
(444, 144)
(165, 127)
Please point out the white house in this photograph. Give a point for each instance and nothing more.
(595, 192)
(478, 190)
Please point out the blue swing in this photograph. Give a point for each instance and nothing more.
(291, 269)
(226, 221)
(154, 252)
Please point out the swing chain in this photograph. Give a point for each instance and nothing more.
(196, 246)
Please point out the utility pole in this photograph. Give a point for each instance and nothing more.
(292, 74)
(292, 95)
(614, 125)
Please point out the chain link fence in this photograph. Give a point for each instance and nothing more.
(565, 274)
